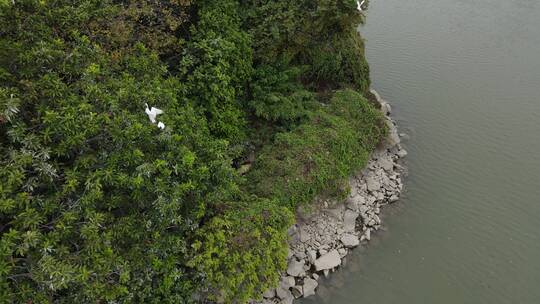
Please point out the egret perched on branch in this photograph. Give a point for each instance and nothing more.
(359, 5)
(152, 113)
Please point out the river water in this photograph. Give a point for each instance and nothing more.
(464, 80)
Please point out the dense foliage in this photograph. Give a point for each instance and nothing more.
(97, 204)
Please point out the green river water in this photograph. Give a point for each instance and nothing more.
(464, 81)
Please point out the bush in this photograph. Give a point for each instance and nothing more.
(96, 203)
(278, 95)
(99, 205)
(243, 251)
(317, 157)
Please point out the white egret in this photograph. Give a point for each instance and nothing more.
(161, 125)
(152, 113)
(359, 5)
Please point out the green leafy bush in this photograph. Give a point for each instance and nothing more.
(99, 205)
(316, 158)
(242, 251)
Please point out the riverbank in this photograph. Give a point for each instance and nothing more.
(319, 242)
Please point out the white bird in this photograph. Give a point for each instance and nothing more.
(161, 125)
(359, 5)
(152, 113)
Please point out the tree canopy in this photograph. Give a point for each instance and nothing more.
(97, 204)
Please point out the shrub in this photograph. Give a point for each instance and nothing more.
(96, 203)
(243, 251)
(99, 205)
(316, 158)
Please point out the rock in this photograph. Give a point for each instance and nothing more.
(287, 282)
(297, 291)
(309, 287)
(350, 240)
(386, 108)
(349, 220)
(328, 261)
(283, 293)
(292, 230)
(402, 153)
(336, 212)
(304, 235)
(288, 300)
(393, 137)
(372, 184)
(393, 199)
(386, 164)
(312, 256)
(295, 268)
(270, 293)
(326, 272)
(300, 255)
(315, 276)
(368, 234)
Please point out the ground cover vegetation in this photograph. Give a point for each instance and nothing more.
(98, 205)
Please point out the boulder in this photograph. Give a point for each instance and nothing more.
(283, 294)
(295, 268)
(287, 301)
(349, 220)
(270, 293)
(393, 137)
(350, 240)
(304, 235)
(387, 164)
(328, 261)
(372, 184)
(297, 291)
(402, 153)
(312, 256)
(287, 282)
(309, 287)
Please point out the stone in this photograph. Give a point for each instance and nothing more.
(295, 268)
(349, 220)
(312, 256)
(315, 276)
(283, 293)
(287, 282)
(336, 212)
(393, 137)
(300, 255)
(297, 291)
(393, 199)
(350, 240)
(270, 293)
(372, 184)
(326, 272)
(304, 235)
(328, 261)
(402, 153)
(288, 300)
(386, 164)
(292, 230)
(309, 287)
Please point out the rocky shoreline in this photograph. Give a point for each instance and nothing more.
(320, 242)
